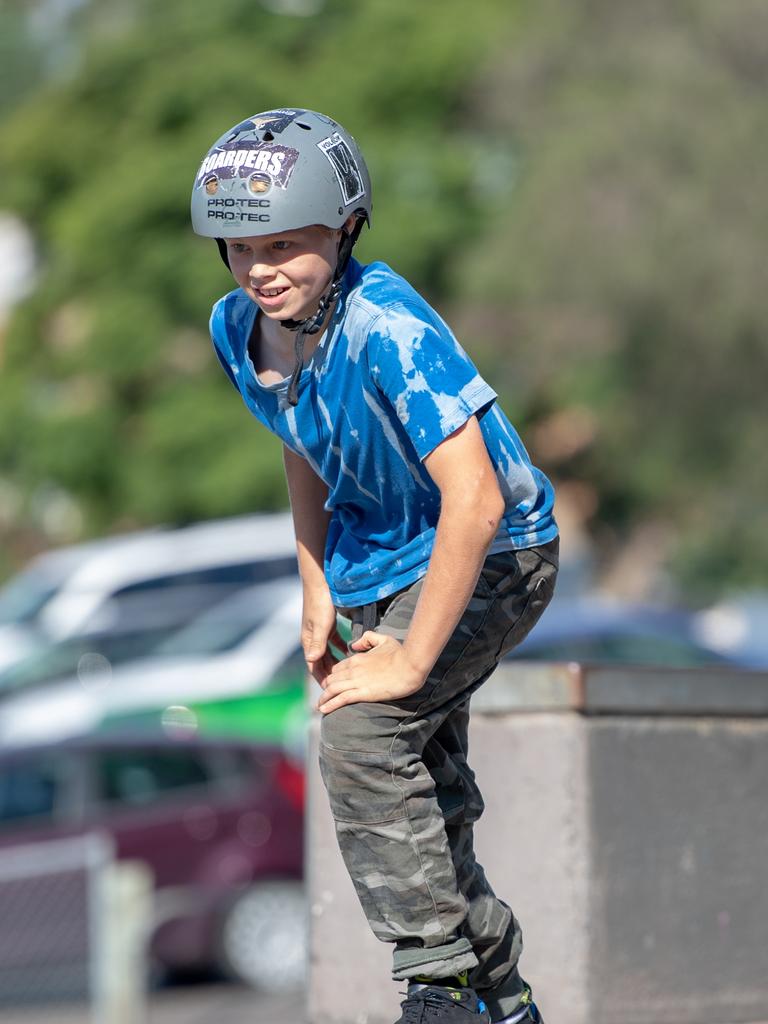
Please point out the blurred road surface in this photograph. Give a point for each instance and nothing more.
(191, 1004)
(224, 1004)
(194, 1004)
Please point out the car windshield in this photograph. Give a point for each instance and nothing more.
(228, 624)
(81, 655)
(25, 595)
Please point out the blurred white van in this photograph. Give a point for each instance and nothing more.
(155, 579)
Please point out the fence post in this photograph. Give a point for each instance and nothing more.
(121, 921)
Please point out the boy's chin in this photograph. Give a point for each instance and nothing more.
(287, 313)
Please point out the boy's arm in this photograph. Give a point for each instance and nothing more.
(471, 510)
(308, 494)
(470, 513)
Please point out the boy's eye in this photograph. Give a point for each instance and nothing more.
(281, 243)
(238, 247)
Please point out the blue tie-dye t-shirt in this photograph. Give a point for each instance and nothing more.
(387, 383)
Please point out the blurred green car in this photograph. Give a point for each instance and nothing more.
(236, 670)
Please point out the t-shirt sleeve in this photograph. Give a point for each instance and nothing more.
(425, 375)
(221, 346)
(225, 366)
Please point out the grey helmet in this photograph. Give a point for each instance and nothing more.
(277, 171)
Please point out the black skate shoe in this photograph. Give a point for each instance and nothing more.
(446, 1003)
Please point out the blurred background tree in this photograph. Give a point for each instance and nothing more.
(577, 187)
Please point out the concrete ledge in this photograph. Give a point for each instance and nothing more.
(612, 689)
(627, 826)
(531, 686)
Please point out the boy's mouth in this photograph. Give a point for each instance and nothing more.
(270, 293)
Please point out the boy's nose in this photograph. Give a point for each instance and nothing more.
(260, 273)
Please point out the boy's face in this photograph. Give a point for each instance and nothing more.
(285, 273)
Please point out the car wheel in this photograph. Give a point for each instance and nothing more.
(264, 937)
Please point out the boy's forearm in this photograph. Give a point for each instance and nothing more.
(308, 494)
(465, 531)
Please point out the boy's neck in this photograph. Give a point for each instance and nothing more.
(272, 347)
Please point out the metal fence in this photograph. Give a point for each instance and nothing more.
(73, 933)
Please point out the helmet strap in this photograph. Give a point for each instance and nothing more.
(312, 324)
(223, 252)
(293, 383)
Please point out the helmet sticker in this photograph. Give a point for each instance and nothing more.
(347, 172)
(273, 120)
(233, 160)
(259, 183)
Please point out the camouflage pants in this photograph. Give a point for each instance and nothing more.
(405, 800)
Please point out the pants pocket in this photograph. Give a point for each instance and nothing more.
(522, 621)
(360, 785)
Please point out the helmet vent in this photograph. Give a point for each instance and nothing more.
(306, 127)
(268, 137)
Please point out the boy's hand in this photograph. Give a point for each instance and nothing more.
(380, 672)
(318, 629)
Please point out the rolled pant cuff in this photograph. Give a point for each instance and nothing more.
(435, 961)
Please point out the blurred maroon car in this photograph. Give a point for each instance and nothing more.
(219, 824)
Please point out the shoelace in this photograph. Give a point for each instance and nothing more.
(424, 1006)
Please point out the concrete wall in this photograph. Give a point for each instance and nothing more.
(627, 825)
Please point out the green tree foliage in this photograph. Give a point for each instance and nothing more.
(109, 387)
(21, 57)
(623, 273)
(577, 186)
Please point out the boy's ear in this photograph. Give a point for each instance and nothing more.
(349, 223)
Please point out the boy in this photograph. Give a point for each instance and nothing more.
(418, 517)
